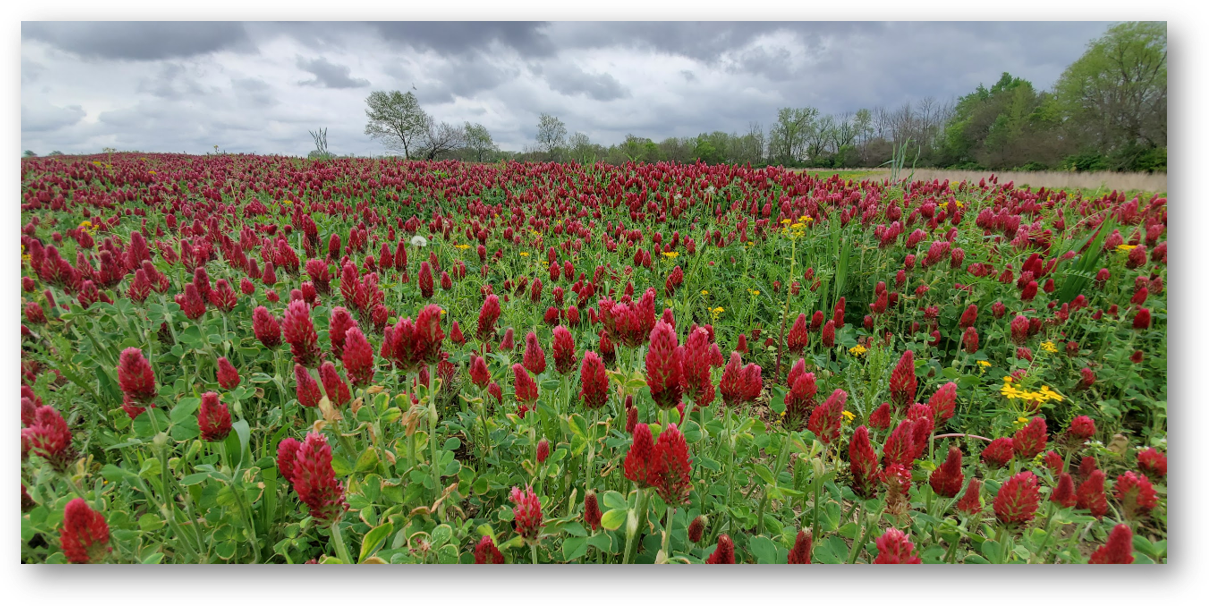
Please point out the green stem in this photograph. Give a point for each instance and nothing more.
(411, 451)
(667, 533)
(432, 437)
(999, 539)
(246, 518)
(533, 551)
(818, 496)
(859, 544)
(951, 553)
(74, 488)
(1049, 520)
(760, 513)
(730, 469)
(341, 548)
(168, 486)
(634, 526)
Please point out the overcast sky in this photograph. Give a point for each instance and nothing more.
(259, 87)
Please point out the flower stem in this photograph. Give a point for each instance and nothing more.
(667, 533)
(1049, 520)
(634, 526)
(341, 548)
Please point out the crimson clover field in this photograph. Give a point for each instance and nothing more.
(253, 359)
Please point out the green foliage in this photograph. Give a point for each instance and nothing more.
(396, 119)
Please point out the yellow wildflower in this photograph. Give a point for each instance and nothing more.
(461, 246)
(705, 292)
(858, 350)
(1126, 247)
(984, 364)
(524, 254)
(671, 255)
(786, 221)
(1049, 347)
(848, 416)
(754, 293)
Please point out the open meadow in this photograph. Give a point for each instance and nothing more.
(240, 358)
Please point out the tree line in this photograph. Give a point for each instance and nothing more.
(1108, 111)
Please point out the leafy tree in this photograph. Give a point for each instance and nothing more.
(29, 153)
(787, 140)
(677, 149)
(583, 151)
(1115, 95)
(478, 141)
(397, 120)
(1007, 126)
(551, 134)
(640, 149)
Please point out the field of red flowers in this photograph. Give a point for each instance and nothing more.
(265, 359)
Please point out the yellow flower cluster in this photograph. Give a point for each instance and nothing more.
(461, 246)
(848, 416)
(754, 293)
(671, 254)
(1126, 247)
(1011, 392)
(717, 311)
(524, 254)
(795, 230)
(1049, 347)
(87, 226)
(705, 292)
(858, 350)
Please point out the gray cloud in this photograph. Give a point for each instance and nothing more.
(464, 37)
(37, 119)
(253, 91)
(443, 80)
(139, 41)
(571, 80)
(329, 75)
(172, 82)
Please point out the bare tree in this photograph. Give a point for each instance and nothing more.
(442, 138)
(755, 131)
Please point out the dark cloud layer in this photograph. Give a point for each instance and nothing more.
(329, 75)
(461, 38)
(259, 86)
(141, 41)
